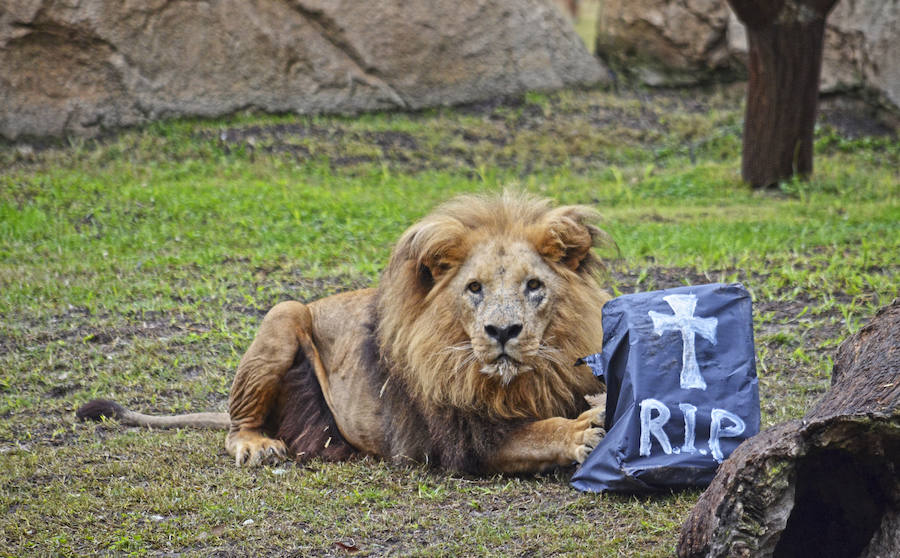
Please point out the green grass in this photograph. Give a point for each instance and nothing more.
(139, 266)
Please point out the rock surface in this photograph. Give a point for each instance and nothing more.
(862, 49)
(666, 42)
(681, 42)
(76, 67)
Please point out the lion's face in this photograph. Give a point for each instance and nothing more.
(488, 302)
(506, 295)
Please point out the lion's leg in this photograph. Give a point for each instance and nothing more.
(257, 383)
(549, 443)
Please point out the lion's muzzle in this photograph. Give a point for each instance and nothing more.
(503, 334)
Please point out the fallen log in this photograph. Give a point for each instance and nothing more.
(827, 485)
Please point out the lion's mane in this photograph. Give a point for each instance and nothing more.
(422, 343)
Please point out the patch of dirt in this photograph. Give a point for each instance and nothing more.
(253, 134)
(97, 335)
(46, 428)
(79, 325)
(62, 390)
(853, 118)
(510, 120)
(780, 311)
(294, 286)
(390, 139)
(639, 118)
(642, 120)
(490, 106)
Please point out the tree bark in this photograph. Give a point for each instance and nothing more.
(824, 486)
(785, 59)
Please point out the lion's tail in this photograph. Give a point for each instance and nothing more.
(99, 408)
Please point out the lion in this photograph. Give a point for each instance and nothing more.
(465, 357)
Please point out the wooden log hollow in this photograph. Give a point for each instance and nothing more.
(827, 485)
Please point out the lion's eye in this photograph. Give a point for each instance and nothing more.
(534, 284)
(474, 287)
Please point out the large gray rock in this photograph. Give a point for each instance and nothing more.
(681, 42)
(666, 42)
(862, 48)
(79, 66)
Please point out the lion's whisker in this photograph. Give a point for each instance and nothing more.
(462, 364)
(459, 347)
(551, 354)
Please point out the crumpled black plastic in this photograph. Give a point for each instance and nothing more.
(642, 361)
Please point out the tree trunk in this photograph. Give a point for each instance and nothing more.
(824, 486)
(785, 58)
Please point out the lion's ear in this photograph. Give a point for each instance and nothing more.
(566, 236)
(427, 250)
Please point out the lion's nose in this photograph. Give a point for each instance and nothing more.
(503, 334)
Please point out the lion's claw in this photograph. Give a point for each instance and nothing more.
(251, 449)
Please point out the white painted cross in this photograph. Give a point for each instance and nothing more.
(689, 325)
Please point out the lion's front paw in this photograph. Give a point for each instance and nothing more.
(587, 432)
(589, 440)
(251, 448)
